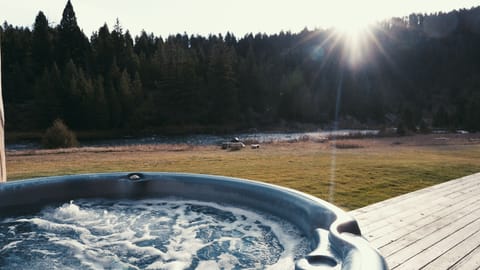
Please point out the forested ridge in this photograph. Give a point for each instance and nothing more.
(421, 70)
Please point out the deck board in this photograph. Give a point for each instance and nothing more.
(470, 261)
(433, 228)
(456, 254)
(389, 233)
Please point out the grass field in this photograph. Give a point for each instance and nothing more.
(350, 173)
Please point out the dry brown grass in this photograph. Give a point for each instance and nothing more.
(376, 170)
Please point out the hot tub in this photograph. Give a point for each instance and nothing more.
(334, 237)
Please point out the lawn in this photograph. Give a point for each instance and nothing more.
(350, 174)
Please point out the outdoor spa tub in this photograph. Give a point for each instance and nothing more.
(332, 239)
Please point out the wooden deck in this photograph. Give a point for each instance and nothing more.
(433, 228)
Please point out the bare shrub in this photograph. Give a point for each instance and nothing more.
(347, 146)
(59, 136)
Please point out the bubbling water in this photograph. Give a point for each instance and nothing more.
(149, 234)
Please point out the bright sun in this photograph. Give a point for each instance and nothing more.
(354, 33)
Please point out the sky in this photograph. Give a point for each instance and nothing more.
(165, 17)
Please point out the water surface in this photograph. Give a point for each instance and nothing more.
(149, 234)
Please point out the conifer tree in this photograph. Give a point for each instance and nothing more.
(101, 115)
(103, 48)
(41, 43)
(72, 43)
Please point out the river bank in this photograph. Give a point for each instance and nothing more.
(30, 142)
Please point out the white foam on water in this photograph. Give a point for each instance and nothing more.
(45, 252)
(165, 234)
(10, 245)
(209, 265)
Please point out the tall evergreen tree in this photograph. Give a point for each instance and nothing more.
(42, 44)
(113, 97)
(72, 43)
(222, 85)
(103, 49)
(101, 115)
(48, 97)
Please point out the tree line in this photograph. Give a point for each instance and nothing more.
(412, 71)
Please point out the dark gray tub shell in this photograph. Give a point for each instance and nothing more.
(336, 239)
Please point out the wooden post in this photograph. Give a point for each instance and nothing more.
(3, 166)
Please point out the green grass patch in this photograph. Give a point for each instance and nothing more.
(360, 177)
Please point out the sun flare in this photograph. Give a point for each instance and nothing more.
(352, 28)
(353, 31)
(354, 34)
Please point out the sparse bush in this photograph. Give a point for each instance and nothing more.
(347, 146)
(59, 136)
